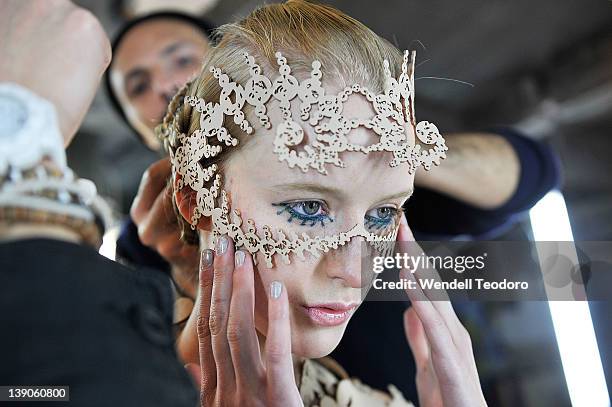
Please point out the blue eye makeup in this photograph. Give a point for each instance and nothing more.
(309, 213)
(312, 213)
(380, 218)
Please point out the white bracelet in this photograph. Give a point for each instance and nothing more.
(39, 134)
(29, 137)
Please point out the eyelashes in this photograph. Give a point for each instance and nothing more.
(311, 213)
(385, 216)
(303, 211)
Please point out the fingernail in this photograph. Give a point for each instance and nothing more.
(207, 258)
(276, 287)
(222, 244)
(239, 258)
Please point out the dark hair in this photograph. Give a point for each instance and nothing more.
(206, 28)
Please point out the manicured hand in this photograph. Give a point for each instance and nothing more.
(442, 348)
(231, 370)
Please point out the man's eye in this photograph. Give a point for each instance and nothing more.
(138, 89)
(380, 217)
(184, 61)
(308, 213)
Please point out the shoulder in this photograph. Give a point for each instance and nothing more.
(325, 383)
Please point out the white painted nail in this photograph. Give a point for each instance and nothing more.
(276, 287)
(222, 244)
(239, 258)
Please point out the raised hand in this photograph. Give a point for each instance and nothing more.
(442, 348)
(232, 371)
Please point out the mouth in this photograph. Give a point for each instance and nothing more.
(330, 314)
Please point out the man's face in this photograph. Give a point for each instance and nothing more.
(155, 59)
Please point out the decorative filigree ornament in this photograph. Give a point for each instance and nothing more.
(394, 110)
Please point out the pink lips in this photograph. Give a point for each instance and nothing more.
(330, 314)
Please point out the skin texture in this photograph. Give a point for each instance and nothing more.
(155, 59)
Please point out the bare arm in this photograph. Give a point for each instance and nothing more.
(481, 169)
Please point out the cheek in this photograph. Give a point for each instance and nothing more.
(180, 76)
(295, 278)
(149, 108)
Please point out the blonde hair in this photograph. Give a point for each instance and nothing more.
(302, 31)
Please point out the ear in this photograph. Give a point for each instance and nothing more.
(186, 202)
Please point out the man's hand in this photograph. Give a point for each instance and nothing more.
(57, 50)
(154, 215)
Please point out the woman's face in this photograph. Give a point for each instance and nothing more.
(323, 292)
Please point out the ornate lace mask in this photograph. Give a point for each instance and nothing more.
(394, 109)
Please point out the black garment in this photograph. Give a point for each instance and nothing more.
(72, 317)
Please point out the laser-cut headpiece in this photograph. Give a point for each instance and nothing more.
(394, 110)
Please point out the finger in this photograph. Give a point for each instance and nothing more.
(153, 181)
(178, 252)
(188, 343)
(159, 221)
(205, 353)
(219, 313)
(279, 363)
(435, 328)
(438, 297)
(241, 333)
(415, 333)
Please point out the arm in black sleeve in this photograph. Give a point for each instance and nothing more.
(432, 215)
(130, 249)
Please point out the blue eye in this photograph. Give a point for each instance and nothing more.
(381, 217)
(309, 213)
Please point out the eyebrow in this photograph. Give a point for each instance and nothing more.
(172, 48)
(317, 188)
(138, 72)
(404, 194)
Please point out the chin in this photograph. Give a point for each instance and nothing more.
(312, 342)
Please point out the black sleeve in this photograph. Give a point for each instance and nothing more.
(436, 216)
(130, 249)
(71, 317)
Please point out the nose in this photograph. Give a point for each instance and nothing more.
(344, 263)
(166, 86)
